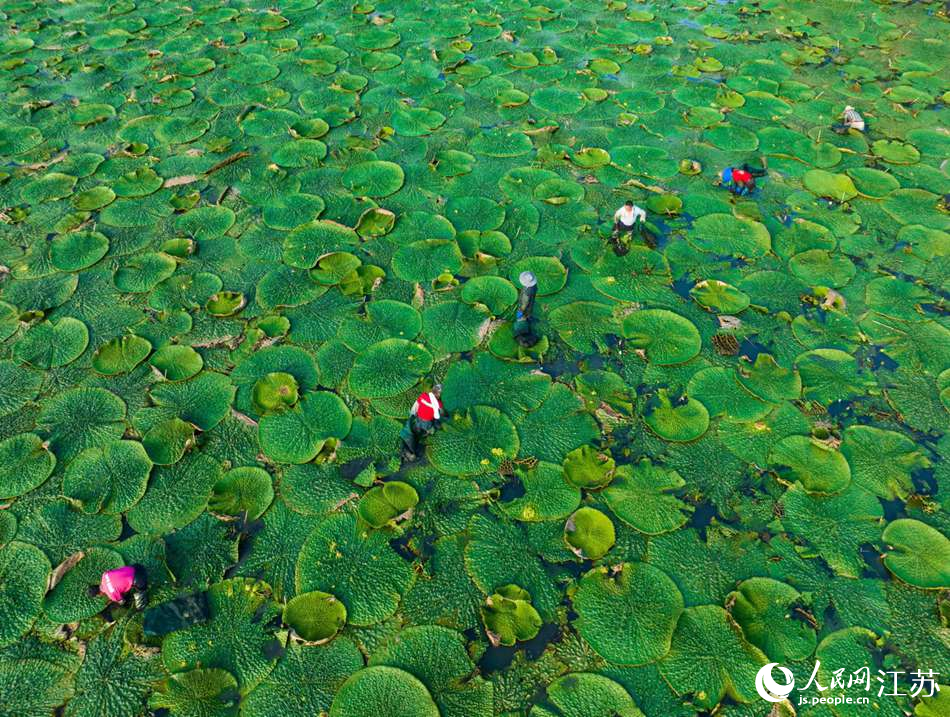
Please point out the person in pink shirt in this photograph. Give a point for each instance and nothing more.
(123, 585)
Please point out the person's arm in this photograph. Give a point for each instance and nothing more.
(617, 214)
(639, 215)
(415, 408)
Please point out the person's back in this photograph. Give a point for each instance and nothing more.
(116, 583)
(853, 119)
(428, 407)
(741, 177)
(121, 583)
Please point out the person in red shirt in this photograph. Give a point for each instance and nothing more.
(741, 180)
(424, 418)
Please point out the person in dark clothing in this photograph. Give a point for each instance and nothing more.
(524, 315)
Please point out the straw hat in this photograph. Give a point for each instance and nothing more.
(528, 279)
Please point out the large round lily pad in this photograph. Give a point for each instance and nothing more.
(476, 441)
(358, 567)
(383, 691)
(918, 553)
(628, 615)
(664, 337)
(388, 368)
(373, 178)
(298, 434)
(819, 467)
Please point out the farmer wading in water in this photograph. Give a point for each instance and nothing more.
(424, 418)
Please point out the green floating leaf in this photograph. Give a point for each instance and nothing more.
(665, 337)
(374, 178)
(198, 693)
(919, 554)
(78, 250)
(176, 494)
(818, 466)
(24, 571)
(710, 659)
(388, 368)
(722, 395)
(426, 260)
(496, 293)
(834, 526)
(375, 222)
(642, 496)
(360, 569)
(225, 303)
(680, 419)
(832, 375)
(548, 495)
(25, 462)
(166, 441)
(308, 243)
(719, 296)
(235, 637)
(204, 400)
(387, 503)
(589, 533)
(48, 188)
(298, 434)
(586, 467)
(305, 680)
(768, 381)
(628, 614)
(439, 658)
(177, 363)
(585, 694)
(837, 187)
(764, 609)
(315, 616)
(49, 345)
(473, 442)
(894, 152)
(453, 326)
(121, 355)
(143, 272)
(246, 490)
(19, 386)
(882, 462)
(724, 234)
(274, 392)
(108, 479)
(509, 616)
(385, 692)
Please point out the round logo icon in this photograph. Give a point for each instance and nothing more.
(771, 690)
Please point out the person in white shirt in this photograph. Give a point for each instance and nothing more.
(852, 119)
(628, 219)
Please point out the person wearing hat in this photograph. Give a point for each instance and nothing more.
(529, 289)
(523, 316)
(851, 120)
(424, 418)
